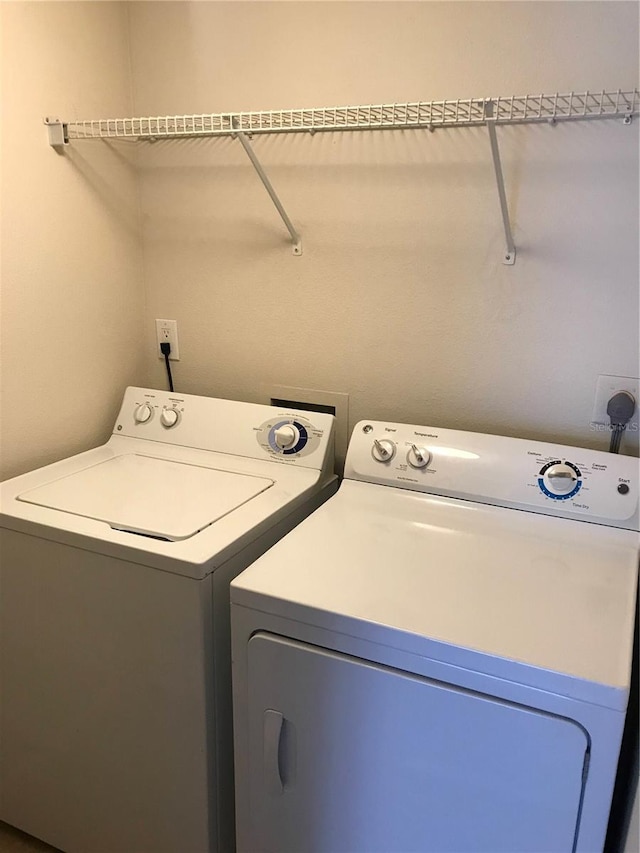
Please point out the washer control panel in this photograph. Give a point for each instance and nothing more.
(228, 426)
(551, 479)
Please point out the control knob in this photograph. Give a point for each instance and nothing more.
(286, 436)
(142, 413)
(383, 450)
(169, 417)
(561, 478)
(418, 457)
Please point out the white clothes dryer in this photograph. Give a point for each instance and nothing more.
(438, 659)
(115, 714)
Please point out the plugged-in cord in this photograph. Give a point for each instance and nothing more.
(620, 409)
(165, 349)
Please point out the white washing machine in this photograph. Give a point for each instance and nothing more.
(115, 712)
(438, 659)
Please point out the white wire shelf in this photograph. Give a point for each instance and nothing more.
(515, 109)
(490, 112)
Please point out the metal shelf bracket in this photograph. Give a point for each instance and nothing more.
(509, 256)
(295, 237)
(58, 136)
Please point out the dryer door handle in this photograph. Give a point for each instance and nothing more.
(273, 725)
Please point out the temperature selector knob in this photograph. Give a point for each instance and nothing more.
(560, 480)
(418, 457)
(383, 450)
(169, 417)
(286, 436)
(143, 413)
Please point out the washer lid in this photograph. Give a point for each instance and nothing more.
(150, 496)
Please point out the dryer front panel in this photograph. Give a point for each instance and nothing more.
(349, 755)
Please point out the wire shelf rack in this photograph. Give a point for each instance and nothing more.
(490, 112)
(514, 109)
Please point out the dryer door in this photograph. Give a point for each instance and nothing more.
(347, 755)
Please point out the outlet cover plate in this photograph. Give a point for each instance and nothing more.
(606, 387)
(167, 330)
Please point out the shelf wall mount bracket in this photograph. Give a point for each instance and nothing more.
(295, 237)
(509, 256)
(58, 134)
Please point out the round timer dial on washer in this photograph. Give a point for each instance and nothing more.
(288, 437)
(560, 480)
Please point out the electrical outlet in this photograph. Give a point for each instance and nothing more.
(606, 387)
(167, 332)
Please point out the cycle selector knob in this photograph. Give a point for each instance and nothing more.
(560, 480)
(142, 413)
(418, 457)
(169, 418)
(383, 449)
(287, 436)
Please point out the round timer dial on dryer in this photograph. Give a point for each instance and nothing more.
(418, 457)
(169, 418)
(383, 449)
(560, 480)
(142, 413)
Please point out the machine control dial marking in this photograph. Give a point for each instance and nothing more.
(288, 437)
(383, 450)
(559, 480)
(142, 413)
(169, 418)
(418, 457)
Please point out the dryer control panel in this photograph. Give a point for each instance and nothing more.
(571, 482)
(228, 426)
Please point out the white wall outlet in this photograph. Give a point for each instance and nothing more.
(167, 332)
(606, 387)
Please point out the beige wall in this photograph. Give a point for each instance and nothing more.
(72, 295)
(400, 298)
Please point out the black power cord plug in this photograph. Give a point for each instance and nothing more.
(620, 409)
(165, 349)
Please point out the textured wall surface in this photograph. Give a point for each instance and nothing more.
(400, 298)
(72, 289)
